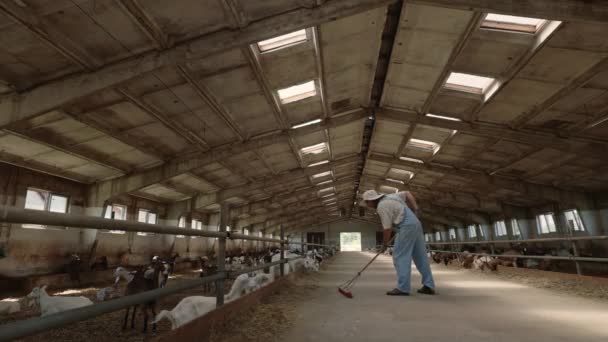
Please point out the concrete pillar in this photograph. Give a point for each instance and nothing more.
(221, 255)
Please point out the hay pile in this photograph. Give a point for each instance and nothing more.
(267, 321)
(555, 281)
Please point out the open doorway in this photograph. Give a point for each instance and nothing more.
(350, 242)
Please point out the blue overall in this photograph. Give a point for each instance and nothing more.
(409, 244)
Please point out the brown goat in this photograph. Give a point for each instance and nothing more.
(141, 284)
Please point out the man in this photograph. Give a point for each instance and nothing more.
(395, 211)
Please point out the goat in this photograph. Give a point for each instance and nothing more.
(54, 304)
(193, 307)
(141, 282)
(9, 306)
(73, 268)
(207, 269)
(100, 263)
(467, 260)
(106, 292)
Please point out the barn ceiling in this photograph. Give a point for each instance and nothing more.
(289, 110)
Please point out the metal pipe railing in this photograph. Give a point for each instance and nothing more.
(36, 325)
(15, 215)
(521, 256)
(485, 242)
(32, 326)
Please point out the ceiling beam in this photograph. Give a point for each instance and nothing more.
(32, 164)
(523, 188)
(54, 94)
(56, 142)
(567, 90)
(565, 10)
(582, 146)
(121, 136)
(171, 124)
(192, 161)
(47, 32)
(145, 22)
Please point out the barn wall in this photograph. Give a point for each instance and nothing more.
(332, 231)
(36, 251)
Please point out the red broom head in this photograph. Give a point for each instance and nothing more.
(345, 293)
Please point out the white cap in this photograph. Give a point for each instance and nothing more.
(371, 195)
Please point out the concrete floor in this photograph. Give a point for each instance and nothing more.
(468, 308)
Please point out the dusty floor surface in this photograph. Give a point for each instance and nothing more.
(470, 307)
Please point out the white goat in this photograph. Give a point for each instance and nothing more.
(106, 292)
(187, 310)
(124, 274)
(50, 305)
(9, 306)
(193, 307)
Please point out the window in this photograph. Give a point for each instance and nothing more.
(500, 228)
(322, 174)
(146, 216)
(327, 191)
(512, 23)
(198, 225)
(116, 212)
(315, 149)
(427, 146)
(297, 92)
(413, 160)
(427, 237)
(307, 123)
(452, 234)
(472, 231)
(319, 163)
(401, 174)
(44, 201)
(283, 41)
(573, 220)
(181, 223)
(246, 231)
(442, 117)
(515, 227)
(437, 236)
(468, 83)
(546, 223)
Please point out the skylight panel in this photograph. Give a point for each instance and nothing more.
(388, 189)
(319, 163)
(442, 117)
(297, 92)
(395, 181)
(325, 182)
(307, 123)
(331, 188)
(424, 145)
(322, 174)
(468, 83)
(283, 41)
(413, 160)
(512, 23)
(315, 149)
(400, 172)
(329, 200)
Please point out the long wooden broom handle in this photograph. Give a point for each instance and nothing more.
(377, 254)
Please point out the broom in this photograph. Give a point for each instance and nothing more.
(345, 288)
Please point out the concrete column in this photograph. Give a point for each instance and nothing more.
(221, 255)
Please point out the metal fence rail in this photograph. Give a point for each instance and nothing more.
(521, 256)
(36, 325)
(486, 242)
